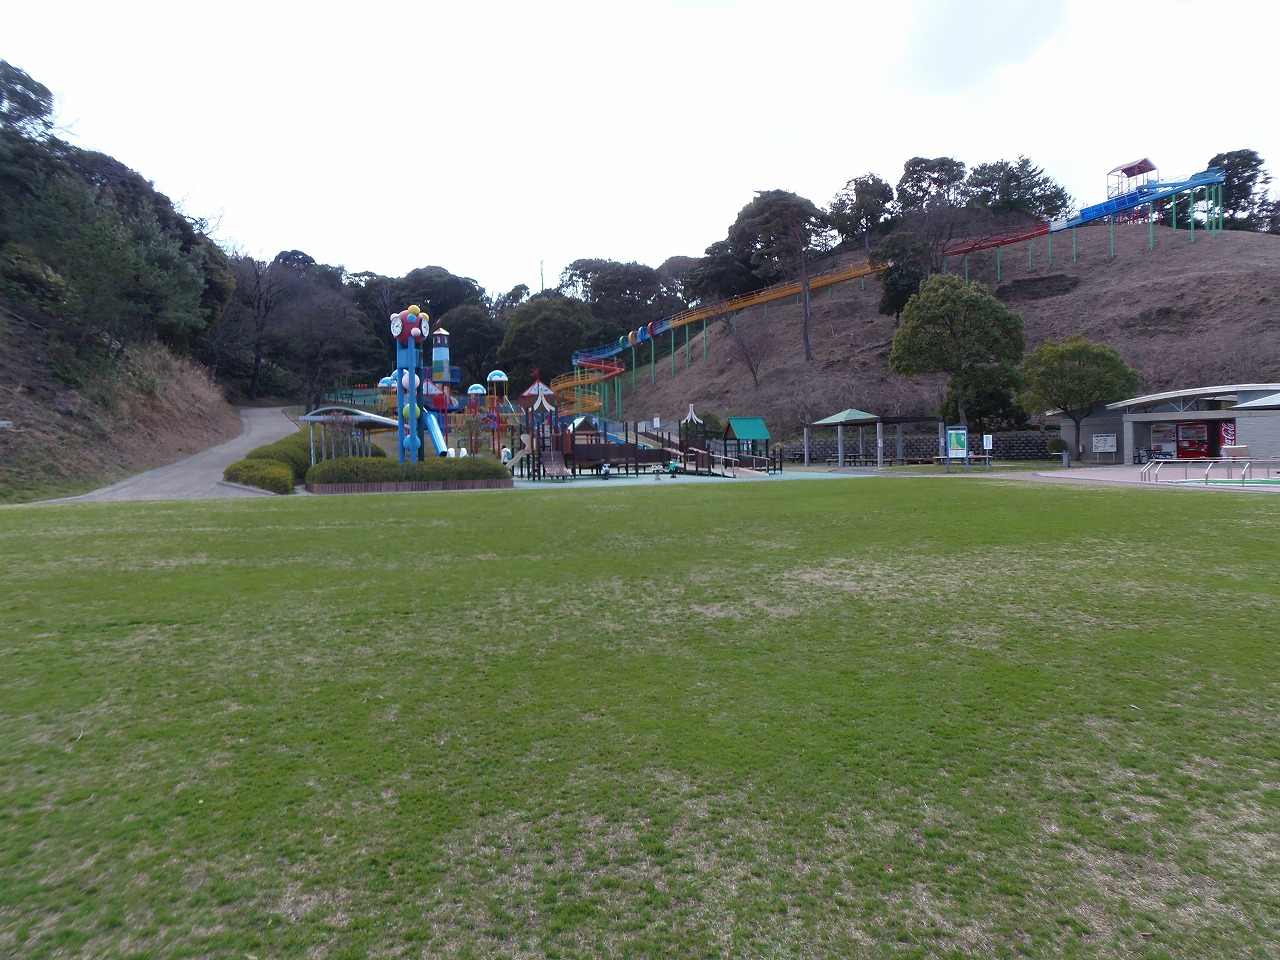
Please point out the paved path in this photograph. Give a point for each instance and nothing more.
(200, 477)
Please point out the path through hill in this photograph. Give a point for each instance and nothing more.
(200, 477)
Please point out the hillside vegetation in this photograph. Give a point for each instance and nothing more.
(1183, 314)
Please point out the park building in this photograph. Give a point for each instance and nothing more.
(1236, 420)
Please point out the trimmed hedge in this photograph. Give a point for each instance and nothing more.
(386, 470)
(1055, 445)
(294, 451)
(270, 475)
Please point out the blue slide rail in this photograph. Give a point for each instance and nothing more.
(1147, 193)
(437, 435)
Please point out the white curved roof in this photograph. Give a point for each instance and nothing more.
(1228, 392)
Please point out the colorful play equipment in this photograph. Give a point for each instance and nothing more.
(415, 423)
(1134, 192)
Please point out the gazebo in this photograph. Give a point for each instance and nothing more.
(849, 418)
(861, 419)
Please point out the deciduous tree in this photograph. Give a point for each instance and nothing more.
(1075, 377)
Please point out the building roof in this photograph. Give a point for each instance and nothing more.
(1268, 402)
(746, 428)
(844, 417)
(1135, 167)
(1228, 393)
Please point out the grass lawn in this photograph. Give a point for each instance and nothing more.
(882, 717)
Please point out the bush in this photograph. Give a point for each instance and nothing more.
(271, 475)
(386, 470)
(1055, 445)
(294, 451)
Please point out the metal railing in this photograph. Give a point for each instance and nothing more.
(1152, 470)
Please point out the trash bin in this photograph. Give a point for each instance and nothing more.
(1142, 456)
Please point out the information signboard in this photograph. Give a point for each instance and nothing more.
(1104, 443)
(957, 443)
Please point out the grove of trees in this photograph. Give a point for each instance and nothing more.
(96, 257)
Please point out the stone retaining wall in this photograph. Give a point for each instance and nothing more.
(1028, 445)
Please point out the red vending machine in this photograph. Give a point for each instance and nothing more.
(1193, 441)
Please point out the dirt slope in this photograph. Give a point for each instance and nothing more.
(1184, 314)
(75, 431)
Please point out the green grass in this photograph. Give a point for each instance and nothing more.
(857, 718)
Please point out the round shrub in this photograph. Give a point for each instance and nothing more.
(1055, 445)
(294, 451)
(270, 475)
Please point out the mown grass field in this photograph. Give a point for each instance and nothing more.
(851, 718)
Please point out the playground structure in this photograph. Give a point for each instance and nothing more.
(1134, 194)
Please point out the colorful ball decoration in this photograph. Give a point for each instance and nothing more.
(411, 441)
(404, 382)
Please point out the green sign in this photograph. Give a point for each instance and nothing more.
(957, 443)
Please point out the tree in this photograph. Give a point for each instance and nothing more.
(720, 275)
(926, 184)
(906, 259)
(955, 327)
(751, 343)
(1075, 377)
(776, 233)
(474, 338)
(542, 335)
(437, 290)
(1019, 187)
(621, 295)
(1244, 191)
(861, 209)
(26, 106)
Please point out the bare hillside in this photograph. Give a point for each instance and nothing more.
(1184, 314)
(76, 428)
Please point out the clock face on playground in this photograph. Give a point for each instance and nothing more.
(397, 326)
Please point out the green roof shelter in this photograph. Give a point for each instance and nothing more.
(861, 419)
(747, 437)
(847, 418)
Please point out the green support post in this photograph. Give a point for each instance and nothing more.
(1173, 208)
(686, 346)
(864, 283)
(1111, 222)
(1151, 226)
(633, 368)
(1051, 249)
(1030, 253)
(673, 354)
(966, 268)
(997, 264)
(653, 363)
(1191, 214)
(704, 338)
(1073, 244)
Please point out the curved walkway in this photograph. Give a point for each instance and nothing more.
(200, 477)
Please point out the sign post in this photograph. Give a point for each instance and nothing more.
(957, 446)
(1104, 443)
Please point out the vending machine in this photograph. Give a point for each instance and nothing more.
(1193, 441)
(1164, 441)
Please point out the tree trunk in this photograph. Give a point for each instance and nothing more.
(804, 294)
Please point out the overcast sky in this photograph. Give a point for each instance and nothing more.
(503, 139)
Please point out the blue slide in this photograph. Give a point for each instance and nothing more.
(437, 435)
